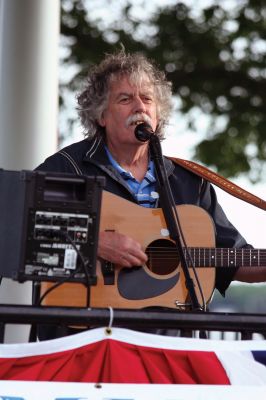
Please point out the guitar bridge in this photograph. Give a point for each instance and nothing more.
(182, 306)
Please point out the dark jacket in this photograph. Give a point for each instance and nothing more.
(89, 157)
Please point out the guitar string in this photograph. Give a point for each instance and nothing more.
(210, 249)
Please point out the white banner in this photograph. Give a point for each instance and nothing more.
(15, 390)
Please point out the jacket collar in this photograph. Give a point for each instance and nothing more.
(96, 152)
(96, 155)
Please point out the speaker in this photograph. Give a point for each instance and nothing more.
(49, 226)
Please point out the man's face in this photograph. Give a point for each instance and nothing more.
(128, 104)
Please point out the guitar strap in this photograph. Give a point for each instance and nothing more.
(207, 174)
(221, 182)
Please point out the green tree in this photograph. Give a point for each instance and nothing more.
(214, 56)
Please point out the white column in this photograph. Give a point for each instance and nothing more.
(29, 42)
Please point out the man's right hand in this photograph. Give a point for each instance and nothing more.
(120, 249)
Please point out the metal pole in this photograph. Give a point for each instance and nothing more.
(29, 37)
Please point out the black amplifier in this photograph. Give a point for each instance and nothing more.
(49, 226)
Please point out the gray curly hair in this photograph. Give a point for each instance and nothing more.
(92, 101)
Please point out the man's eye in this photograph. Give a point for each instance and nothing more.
(148, 99)
(124, 100)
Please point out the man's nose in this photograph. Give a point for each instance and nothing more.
(139, 105)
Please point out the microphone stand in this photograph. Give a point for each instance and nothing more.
(167, 207)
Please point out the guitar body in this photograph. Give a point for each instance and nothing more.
(144, 286)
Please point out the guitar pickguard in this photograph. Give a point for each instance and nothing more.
(136, 284)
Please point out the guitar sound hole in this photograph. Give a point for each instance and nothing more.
(163, 257)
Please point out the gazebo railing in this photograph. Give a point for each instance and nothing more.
(245, 324)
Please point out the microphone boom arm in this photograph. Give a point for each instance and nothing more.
(144, 132)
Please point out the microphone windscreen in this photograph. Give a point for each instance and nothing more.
(143, 132)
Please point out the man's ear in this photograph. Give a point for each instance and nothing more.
(101, 121)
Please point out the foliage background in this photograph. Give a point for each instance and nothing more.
(213, 52)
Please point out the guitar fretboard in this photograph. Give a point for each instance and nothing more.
(226, 257)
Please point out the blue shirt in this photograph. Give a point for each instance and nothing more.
(144, 191)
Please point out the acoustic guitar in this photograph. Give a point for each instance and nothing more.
(161, 281)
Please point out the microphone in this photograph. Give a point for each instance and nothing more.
(143, 132)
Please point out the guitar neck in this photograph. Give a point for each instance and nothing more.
(226, 257)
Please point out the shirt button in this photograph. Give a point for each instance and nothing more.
(155, 195)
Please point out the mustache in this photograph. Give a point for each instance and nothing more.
(139, 117)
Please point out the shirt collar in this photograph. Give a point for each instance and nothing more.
(150, 172)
